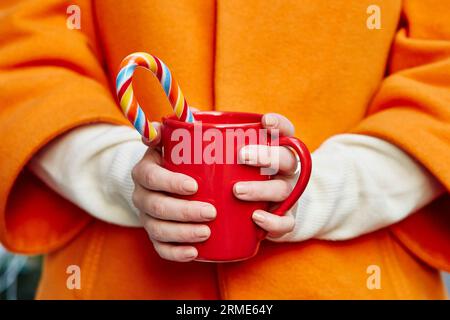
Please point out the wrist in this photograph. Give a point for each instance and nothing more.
(119, 184)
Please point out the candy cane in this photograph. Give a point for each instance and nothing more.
(130, 106)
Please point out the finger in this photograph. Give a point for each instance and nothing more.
(271, 190)
(155, 142)
(275, 225)
(162, 206)
(277, 121)
(175, 252)
(168, 231)
(276, 157)
(152, 176)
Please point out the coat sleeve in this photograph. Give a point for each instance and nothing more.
(51, 81)
(412, 110)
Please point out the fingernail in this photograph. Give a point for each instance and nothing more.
(270, 120)
(241, 188)
(189, 186)
(191, 254)
(156, 124)
(208, 212)
(202, 232)
(259, 217)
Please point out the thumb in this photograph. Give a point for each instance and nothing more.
(155, 142)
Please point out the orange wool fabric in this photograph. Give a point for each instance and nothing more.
(314, 61)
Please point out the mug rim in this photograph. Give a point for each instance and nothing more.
(175, 122)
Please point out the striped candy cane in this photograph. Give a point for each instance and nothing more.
(130, 106)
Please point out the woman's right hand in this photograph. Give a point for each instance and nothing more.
(169, 220)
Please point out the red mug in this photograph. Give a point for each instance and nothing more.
(207, 151)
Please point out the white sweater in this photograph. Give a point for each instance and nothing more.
(358, 184)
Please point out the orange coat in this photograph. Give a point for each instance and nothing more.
(314, 61)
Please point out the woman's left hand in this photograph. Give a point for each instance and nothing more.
(276, 189)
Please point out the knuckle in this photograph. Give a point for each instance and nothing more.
(261, 194)
(258, 196)
(177, 253)
(191, 234)
(187, 234)
(135, 173)
(290, 225)
(250, 192)
(159, 234)
(186, 213)
(150, 227)
(135, 199)
(156, 232)
(143, 219)
(276, 224)
(151, 176)
(182, 234)
(273, 225)
(175, 183)
(167, 253)
(157, 208)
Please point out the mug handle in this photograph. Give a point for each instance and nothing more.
(306, 165)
